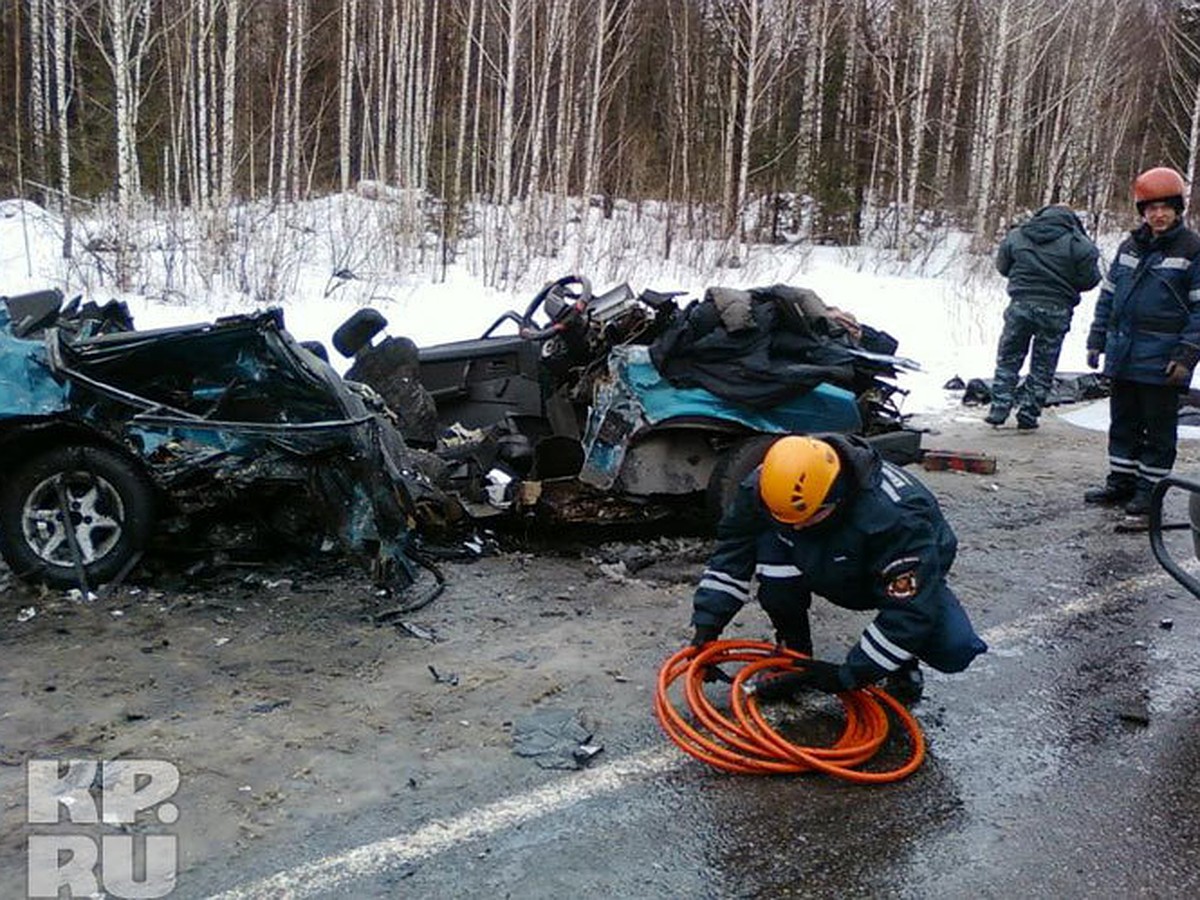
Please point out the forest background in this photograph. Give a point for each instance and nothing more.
(173, 139)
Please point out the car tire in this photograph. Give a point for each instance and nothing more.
(112, 511)
(731, 469)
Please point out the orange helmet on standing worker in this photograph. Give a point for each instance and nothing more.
(797, 475)
(1160, 183)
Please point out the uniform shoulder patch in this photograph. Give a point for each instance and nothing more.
(900, 578)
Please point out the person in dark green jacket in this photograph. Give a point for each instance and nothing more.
(1048, 261)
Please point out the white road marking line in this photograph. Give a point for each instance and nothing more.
(334, 871)
(370, 859)
(1011, 632)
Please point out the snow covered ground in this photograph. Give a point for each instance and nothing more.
(945, 310)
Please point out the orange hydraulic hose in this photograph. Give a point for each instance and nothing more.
(746, 743)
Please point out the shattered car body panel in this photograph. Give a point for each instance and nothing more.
(637, 398)
(577, 420)
(230, 416)
(26, 385)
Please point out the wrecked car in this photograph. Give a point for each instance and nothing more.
(624, 407)
(112, 439)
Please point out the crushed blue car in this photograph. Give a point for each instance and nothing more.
(622, 408)
(114, 440)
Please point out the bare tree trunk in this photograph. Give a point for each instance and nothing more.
(566, 129)
(284, 102)
(62, 99)
(348, 51)
(464, 106)
(918, 124)
(39, 119)
(728, 195)
(229, 98)
(202, 112)
(749, 110)
(591, 154)
(126, 134)
(681, 83)
(1010, 160)
(989, 126)
(301, 38)
(402, 144)
(812, 109)
(477, 118)
(951, 107)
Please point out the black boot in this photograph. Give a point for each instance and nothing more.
(1113, 493)
(1139, 503)
(906, 684)
(996, 416)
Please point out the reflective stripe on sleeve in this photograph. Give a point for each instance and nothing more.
(882, 652)
(776, 570)
(1174, 262)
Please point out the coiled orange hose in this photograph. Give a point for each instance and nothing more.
(746, 743)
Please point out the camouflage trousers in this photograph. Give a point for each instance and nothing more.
(1037, 330)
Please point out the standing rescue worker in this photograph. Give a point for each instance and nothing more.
(827, 515)
(1147, 326)
(1047, 260)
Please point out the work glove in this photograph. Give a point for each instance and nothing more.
(1093, 359)
(816, 675)
(1178, 375)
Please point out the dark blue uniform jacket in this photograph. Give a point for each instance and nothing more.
(1148, 313)
(888, 548)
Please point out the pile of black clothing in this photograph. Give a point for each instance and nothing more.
(1066, 388)
(762, 346)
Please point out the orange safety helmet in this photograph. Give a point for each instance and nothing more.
(797, 474)
(1159, 184)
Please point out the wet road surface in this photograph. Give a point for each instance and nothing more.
(1066, 765)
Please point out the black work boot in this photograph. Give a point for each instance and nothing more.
(906, 684)
(1113, 493)
(1139, 503)
(996, 416)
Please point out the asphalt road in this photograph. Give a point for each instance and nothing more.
(1063, 764)
(1066, 767)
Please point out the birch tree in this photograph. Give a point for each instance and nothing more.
(229, 101)
(39, 120)
(62, 100)
(347, 57)
(991, 92)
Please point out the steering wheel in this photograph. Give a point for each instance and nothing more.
(573, 288)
